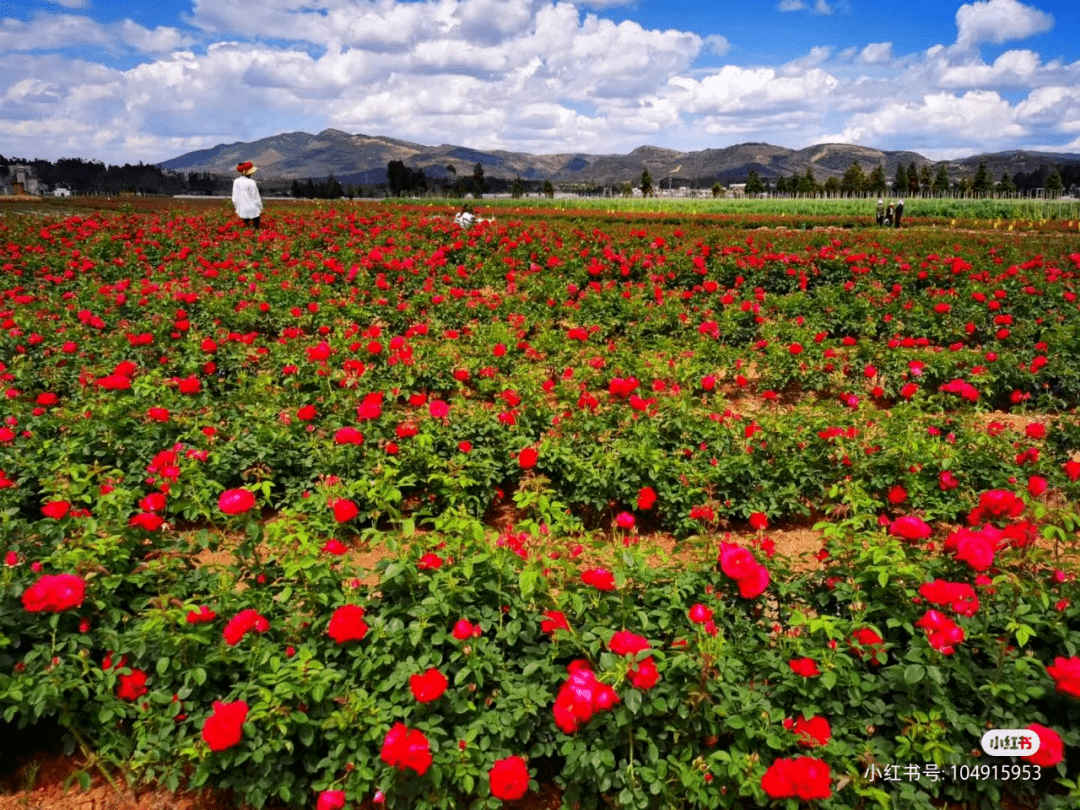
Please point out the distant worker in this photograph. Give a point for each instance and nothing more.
(465, 217)
(899, 212)
(880, 216)
(889, 216)
(245, 196)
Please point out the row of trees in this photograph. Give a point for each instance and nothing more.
(913, 180)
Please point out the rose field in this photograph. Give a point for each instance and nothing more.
(364, 510)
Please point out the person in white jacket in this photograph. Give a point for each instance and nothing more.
(245, 196)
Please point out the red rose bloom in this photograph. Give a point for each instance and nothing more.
(344, 510)
(236, 501)
(599, 578)
(755, 583)
(242, 623)
(646, 498)
(55, 509)
(406, 748)
(429, 686)
(803, 778)
(1051, 748)
(54, 593)
(438, 409)
(644, 675)
(133, 686)
(331, 800)
(1066, 675)
(347, 624)
(509, 778)
(807, 667)
(554, 620)
(910, 528)
(225, 727)
(527, 458)
(815, 731)
(348, 435)
(626, 643)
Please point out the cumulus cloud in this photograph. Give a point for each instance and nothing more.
(717, 44)
(999, 21)
(822, 7)
(52, 32)
(876, 53)
(528, 75)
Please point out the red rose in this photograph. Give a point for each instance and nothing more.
(236, 501)
(438, 409)
(1066, 675)
(735, 561)
(699, 613)
(406, 748)
(626, 643)
(225, 727)
(429, 686)
(755, 583)
(897, 495)
(464, 629)
(644, 675)
(910, 528)
(1051, 748)
(430, 562)
(554, 620)
(803, 778)
(1036, 486)
(527, 458)
(646, 498)
(203, 615)
(54, 593)
(306, 413)
(509, 778)
(55, 509)
(242, 623)
(147, 521)
(331, 800)
(348, 435)
(807, 667)
(347, 624)
(759, 522)
(815, 731)
(866, 640)
(599, 578)
(133, 686)
(344, 510)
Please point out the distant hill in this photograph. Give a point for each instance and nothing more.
(363, 158)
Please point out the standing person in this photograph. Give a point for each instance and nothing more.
(899, 212)
(245, 196)
(880, 212)
(889, 216)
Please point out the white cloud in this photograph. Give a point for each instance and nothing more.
(717, 44)
(999, 21)
(976, 116)
(528, 75)
(53, 32)
(822, 7)
(74, 3)
(876, 53)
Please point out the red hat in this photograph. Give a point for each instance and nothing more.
(247, 167)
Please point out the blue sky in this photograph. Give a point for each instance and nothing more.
(148, 80)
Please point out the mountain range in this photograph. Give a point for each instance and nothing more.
(362, 159)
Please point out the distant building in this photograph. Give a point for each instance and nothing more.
(737, 189)
(60, 191)
(22, 180)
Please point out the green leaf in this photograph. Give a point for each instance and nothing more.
(162, 665)
(914, 673)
